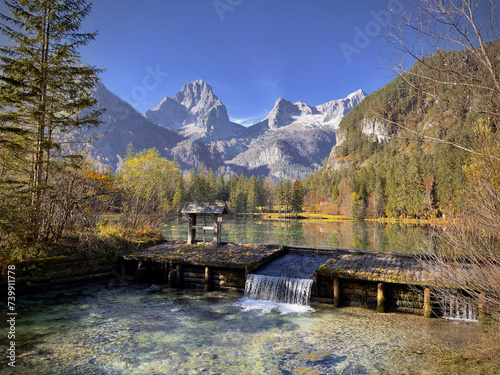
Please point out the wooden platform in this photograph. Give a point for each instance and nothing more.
(377, 267)
(232, 255)
(371, 265)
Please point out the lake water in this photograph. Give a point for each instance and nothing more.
(363, 235)
(144, 329)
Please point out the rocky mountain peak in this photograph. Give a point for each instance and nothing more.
(357, 96)
(281, 114)
(196, 112)
(327, 115)
(197, 97)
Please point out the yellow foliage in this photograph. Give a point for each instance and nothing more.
(149, 183)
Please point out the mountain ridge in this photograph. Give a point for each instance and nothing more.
(193, 127)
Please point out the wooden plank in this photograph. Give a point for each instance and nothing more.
(201, 227)
(336, 292)
(367, 260)
(381, 297)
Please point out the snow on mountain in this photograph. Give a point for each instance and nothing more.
(335, 110)
(195, 111)
(193, 127)
(327, 115)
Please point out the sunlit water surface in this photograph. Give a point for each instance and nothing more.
(146, 329)
(362, 235)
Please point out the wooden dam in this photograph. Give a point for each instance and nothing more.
(387, 282)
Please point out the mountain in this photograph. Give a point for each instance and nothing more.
(299, 114)
(287, 154)
(195, 111)
(193, 127)
(123, 125)
(295, 138)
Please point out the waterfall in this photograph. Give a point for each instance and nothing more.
(287, 279)
(278, 289)
(463, 309)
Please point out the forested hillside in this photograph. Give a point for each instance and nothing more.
(402, 150)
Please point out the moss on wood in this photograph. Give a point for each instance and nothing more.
(234, 255)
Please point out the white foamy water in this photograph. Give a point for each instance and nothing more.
(248, 304)
(455, 309)
(278, 289)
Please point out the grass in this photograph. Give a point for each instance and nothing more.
(103, 241)
(482, 358)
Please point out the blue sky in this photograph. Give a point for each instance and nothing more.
(251, 52)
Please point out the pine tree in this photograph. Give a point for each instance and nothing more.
(297, 199)
(45, 92)
(238, 193)
(212, 193)
(252, 194)
(414, 188)
(179, 195)
(221, 193)
(199, 191)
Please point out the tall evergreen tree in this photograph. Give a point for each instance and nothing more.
(221, 193)
(414, 188)
(297, 199)
(179, 195)
(212, 193)
(45, 93)
(252, 194)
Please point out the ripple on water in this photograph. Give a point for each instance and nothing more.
(140, 329)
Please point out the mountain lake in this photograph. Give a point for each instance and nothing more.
(150, 329)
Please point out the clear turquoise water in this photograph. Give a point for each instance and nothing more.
(145, 329)
(363, 235)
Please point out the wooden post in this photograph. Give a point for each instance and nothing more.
(192, 230)
(427, 303)
(481, 308)
(179, 276)
(381, 297)
(217, 228)
(336, 292)
(208, 279)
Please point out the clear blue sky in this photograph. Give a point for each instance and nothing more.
(251, 52)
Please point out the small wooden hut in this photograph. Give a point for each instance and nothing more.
(205, 210)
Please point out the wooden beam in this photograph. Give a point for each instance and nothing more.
(380, 297)
(208, 279)
(336, 292)
(217, 229)
(427, 303)
(192, 228)
(201, 227)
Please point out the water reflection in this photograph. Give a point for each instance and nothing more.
(363, 235)
(150, 330)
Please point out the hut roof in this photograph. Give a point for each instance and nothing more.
(205, 208)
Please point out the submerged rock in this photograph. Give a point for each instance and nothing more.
(353, 369)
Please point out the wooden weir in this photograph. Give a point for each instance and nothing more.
(377, 280)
